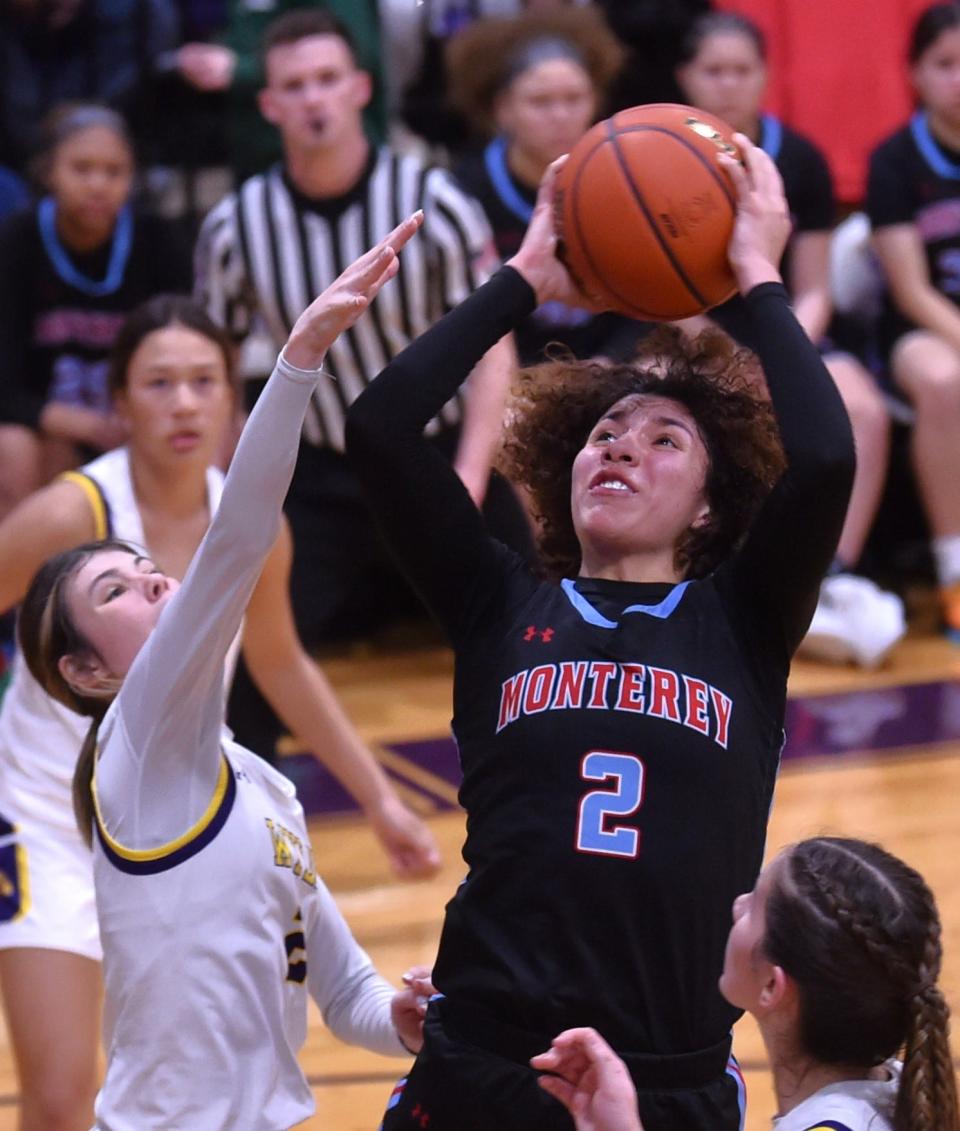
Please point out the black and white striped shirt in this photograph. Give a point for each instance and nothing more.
(268, 250)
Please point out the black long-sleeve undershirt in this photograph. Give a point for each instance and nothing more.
(438, 535)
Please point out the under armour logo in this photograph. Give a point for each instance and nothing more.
(421, 1116)
(545, 634)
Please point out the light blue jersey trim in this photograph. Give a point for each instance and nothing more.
(930, 151)
(495, 160)
(771, 136)
(592, 616)
(735, 1072)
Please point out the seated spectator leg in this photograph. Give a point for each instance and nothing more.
(927, 369)
(871, 433)
(855, 621)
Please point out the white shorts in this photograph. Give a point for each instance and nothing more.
(46, 891)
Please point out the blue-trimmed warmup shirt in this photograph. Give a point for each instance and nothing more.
(914, 179)
(619, 741)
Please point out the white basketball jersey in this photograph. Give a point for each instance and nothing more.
(851, 1105)
(39, 738)
(206, 1011)
(244, 1073)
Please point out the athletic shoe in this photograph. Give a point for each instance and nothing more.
(950, 608)
(855, 622)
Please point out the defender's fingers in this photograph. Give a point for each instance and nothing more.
(405, 231)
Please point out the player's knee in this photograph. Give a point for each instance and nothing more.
(936, 389)
(61, 1102)
(868, 416)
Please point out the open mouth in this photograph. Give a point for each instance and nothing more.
(605, 482)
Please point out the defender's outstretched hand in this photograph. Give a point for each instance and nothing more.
(347, 297)
(536, 260)
(763, 224)
(591, 1082)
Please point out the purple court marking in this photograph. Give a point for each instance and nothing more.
(883, 719)
(879, 720)
(320, 792)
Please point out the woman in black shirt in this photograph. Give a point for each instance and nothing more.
(723, 71)
(71, 269)
(913, 201)
(535, 83)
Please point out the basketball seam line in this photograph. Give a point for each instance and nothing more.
(638, 196)
(585, 245)
(721, 180)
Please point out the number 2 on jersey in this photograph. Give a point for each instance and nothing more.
(595, 832)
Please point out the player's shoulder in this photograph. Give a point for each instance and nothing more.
(799, 146)
(895, 147)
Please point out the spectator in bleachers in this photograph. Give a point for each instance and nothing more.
(653, 33)
(723, 71)
(913, 201)
(423, 100)
(71, 269)
(54, 51)
(535, 83)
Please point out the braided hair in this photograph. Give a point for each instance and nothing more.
(858, 931)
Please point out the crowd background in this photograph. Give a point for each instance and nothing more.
(446, 82)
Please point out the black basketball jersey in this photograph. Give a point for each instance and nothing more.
(619, 741)
(619, 745)
(914, 179)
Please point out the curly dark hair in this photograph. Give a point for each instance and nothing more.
(555, 405)
(480, 60)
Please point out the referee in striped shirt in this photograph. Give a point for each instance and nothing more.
(266, 250)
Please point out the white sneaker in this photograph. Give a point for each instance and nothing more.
(855, 622)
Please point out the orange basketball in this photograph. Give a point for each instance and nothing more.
(644, 211)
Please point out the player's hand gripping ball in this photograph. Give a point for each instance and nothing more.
(644, 212)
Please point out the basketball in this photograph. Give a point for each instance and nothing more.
(644, 212)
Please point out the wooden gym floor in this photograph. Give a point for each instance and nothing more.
(878, 756)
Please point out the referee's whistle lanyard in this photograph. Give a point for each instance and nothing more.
(121, 243)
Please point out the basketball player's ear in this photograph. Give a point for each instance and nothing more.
(702, 518)
(779, 990)
(83, 672)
